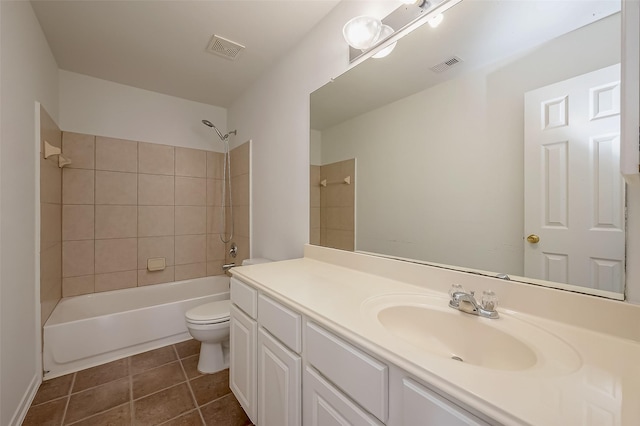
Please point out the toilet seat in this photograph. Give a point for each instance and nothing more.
(209, 313)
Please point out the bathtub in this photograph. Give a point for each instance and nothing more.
(92, 329)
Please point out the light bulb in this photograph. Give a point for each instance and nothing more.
(384, 33)
(362, 32)
(436, 20)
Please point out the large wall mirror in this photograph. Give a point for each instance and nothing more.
(489, 143)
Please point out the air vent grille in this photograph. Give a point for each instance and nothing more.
(445, 65)
(226, 48)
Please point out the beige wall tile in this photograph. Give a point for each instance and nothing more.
(77, 186)
(116, 255)
(190, 249)
(241, 220)
(116, 281)
(240, 160)
(116, 155)
(215, 164)
(216, 249)
(155, 159)
(156, 277)
(215, 268)
(340, 239)
(50, 182)
(77, 258)
(51, 273)
(80, 148)
(340, 218)
(155, 190)
(314, 236)
(116, 222)
(314, 221)
(191, 162)
(191, 191)
(214, 220)
(194, 270)
(75, 286)
(240, 190)
(151, 247)
(191, 220)
(214, 192)
(155, 221)
(116, 188)
(78, 222)
(50, 224)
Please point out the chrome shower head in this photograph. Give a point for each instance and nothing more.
(210, 124)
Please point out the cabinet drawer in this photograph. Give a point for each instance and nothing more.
(357, 374)
(245, 297)
(324, 404)
(281, 321)
(423, 406)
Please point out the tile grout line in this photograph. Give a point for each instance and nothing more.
(66, 407)
(189, 386)
(132, 409)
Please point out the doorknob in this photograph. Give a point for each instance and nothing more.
(533, 239)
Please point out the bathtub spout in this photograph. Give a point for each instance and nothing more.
(227, 266)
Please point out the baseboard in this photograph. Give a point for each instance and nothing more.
(27, 399)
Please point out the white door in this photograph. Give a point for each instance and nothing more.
(574, 192)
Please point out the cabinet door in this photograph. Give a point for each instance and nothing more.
(279, 382)
(324, 405)
(242, 369)
(422, 406)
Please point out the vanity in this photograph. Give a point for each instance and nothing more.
(349, 338)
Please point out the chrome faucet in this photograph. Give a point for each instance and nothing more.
(466, 302)
(228, 266)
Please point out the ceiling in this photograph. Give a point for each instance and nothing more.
(161, 45)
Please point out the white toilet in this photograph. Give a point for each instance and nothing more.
(209, 323)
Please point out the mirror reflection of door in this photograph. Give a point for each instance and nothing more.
(572, 146)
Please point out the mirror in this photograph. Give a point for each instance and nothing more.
(436, 140)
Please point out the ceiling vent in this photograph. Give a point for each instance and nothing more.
(226, 48)
(445, 65)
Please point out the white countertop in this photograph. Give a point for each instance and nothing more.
(600, 387)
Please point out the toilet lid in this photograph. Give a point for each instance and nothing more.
(210, 312)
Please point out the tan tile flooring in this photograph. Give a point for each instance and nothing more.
(159, 387)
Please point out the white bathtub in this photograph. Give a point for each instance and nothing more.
(88, 330)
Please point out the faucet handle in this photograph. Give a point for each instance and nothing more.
(489, 300)
(455, 288)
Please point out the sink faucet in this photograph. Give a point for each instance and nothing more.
(466, 302)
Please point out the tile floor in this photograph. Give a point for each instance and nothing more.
(159, 387)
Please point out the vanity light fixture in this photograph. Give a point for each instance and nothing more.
(436, 20)
(364, 33)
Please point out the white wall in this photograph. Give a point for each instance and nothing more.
(274, 113)
(99, 107)
(29, 74)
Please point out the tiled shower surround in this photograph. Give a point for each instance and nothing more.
(124, 202)
(332, 222)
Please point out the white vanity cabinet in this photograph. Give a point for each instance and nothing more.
(265, 370)
(328, 381)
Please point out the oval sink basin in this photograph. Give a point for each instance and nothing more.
(427, 323)
(467, 339)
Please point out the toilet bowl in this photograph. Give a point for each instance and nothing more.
(209, 323)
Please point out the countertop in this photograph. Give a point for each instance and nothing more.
(597, 381)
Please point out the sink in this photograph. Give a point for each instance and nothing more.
(427, 324)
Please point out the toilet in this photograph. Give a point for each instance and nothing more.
(209, 324)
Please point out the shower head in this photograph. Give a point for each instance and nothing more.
(222, 137)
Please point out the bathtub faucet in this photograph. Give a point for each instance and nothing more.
(227, 266)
